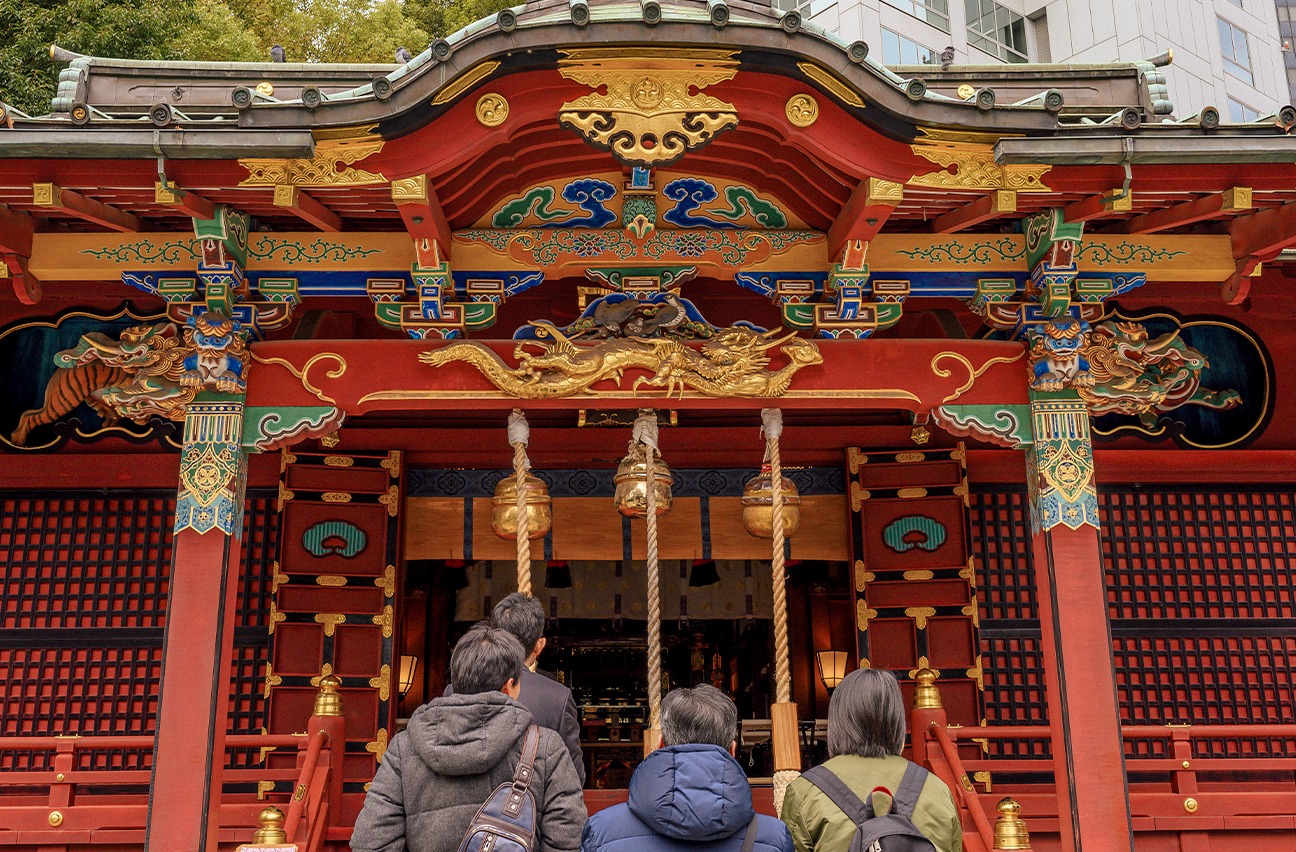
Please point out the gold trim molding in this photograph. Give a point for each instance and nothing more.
(974, 168)
(332, 165)
(831, 84)
(465, 81)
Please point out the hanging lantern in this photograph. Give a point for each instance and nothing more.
(538, 505)
(758, 500)
(632, 483)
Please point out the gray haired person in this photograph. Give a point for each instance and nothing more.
(551, 704)
(457, 749)
(866, 734)
(690, 794)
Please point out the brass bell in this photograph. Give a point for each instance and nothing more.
(758, 505)
(538, 506)
(632, 483)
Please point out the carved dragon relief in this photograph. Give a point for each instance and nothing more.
(731, 364)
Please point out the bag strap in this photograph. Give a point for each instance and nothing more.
(749, 840)
(526, 764)
(842, 796)
(911, 786)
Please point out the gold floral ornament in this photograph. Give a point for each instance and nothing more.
(653, 111)
(802, 110)
(492, 109)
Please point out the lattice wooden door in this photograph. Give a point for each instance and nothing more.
(915, 585)
(335, 601)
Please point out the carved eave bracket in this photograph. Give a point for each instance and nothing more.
(442, 305)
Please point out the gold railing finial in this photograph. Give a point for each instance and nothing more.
(271, 832)
(1010, 833)
(926, 695)
(329, 701)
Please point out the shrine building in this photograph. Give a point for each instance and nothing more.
(753, 360)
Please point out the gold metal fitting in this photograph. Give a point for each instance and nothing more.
(271, 832)
(329, 701)
(926, 695)
(539, 508)
(55, 818)
(1190, 805)
(1186, 764)
(59, 777)
(1010, 829)
(758, 505)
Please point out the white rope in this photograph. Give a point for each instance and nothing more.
(519, 435)
(772, 429)
(645, 433)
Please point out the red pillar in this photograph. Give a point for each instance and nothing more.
(1088, 753)
(189, 747)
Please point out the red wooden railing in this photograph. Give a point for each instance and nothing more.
(66, 806)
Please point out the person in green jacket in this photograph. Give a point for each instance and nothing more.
(866, 734)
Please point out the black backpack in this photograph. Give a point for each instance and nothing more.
(506, 822)
(890, 832)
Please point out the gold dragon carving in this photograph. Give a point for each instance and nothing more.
(731, 364)
(648, 117)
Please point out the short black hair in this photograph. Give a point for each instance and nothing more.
(485, 659)
(702, 714)
(866, 715)
(521, 615)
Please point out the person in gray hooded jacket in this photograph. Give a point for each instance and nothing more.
(457, 749)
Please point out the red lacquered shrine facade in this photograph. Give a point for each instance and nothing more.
(1020, 340)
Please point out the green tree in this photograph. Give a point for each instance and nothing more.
(440, 18)
(135, 29)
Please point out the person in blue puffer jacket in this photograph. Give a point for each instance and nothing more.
(691, 793)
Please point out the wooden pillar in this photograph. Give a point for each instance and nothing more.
(1088, 754)
(189, 747)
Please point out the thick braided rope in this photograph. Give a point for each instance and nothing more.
(654, 599)
(782, 674)
(523, 535)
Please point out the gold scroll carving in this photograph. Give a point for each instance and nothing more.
(648, 116)
(332, 165)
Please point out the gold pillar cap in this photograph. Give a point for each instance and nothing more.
(271, 832)
(926, 695)
(1010, 833)
(329, 701)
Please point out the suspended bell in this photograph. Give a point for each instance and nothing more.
(632, 483)
(758, 505)
(538, 507)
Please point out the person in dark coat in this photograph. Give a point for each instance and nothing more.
(551, 704)
(691, 791)
(458, 749)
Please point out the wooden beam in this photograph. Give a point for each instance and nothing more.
(1098, 206)
(1256, 238)
(417, 202)
(184, 201)
(16, 229)
(1211, 206)
(864, 213)
(54, 197)
(998, 203)
(25, 285)
(307, 208)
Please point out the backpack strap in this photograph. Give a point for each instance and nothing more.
(749, 840)
(842, 796)
(522, 774)
(911, 786)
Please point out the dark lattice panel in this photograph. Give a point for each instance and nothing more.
(1001, 547)
(1221, 680)
(83, 591)
(260, 550)
(1200, 553)
(85, 560)
(50, 691)
(1013, 673)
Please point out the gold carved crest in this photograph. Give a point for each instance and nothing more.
(653, 111)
